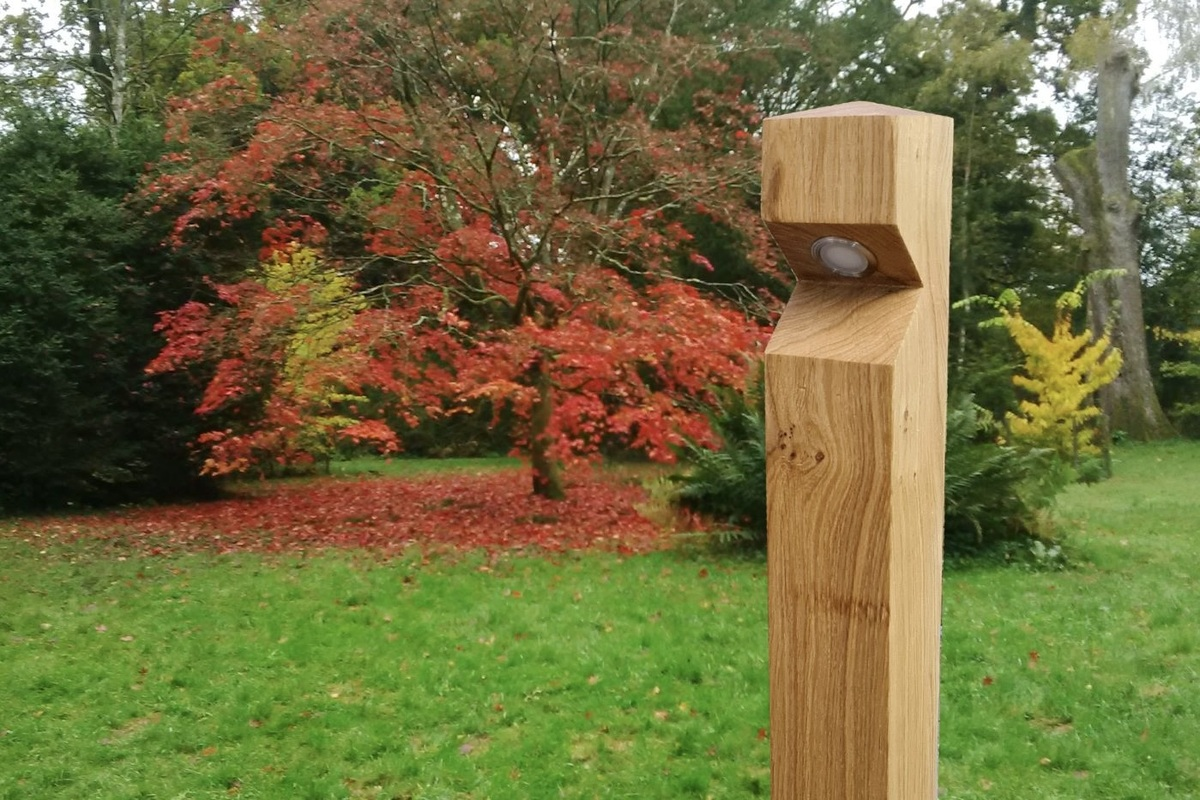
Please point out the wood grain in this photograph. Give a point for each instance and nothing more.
(856, 383)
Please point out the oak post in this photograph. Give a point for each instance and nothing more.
(856, 421)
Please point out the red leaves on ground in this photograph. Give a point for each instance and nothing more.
(490, 511)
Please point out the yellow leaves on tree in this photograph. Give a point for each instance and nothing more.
(1061, 373)
(1191, 338)
(319, 365)
(1183, 370)
(325, 308)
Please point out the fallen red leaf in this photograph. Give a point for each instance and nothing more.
(491, 512)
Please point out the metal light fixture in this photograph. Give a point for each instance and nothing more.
(844, 257)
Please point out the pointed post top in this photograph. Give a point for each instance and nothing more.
(857, 108)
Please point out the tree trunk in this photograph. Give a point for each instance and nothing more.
(120, 66)
(1096, 179)
(547, 471)
(98, 64)
(108, 57)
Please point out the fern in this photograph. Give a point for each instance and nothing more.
(995, 493)
(729, 485)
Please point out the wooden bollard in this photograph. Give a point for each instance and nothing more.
(858, 198)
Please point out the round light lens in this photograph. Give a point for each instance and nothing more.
(844, 257)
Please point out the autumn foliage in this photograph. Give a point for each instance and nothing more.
(442, 513)
(1063, 370)
(1183, 370)
(287, 369)
(489, 209)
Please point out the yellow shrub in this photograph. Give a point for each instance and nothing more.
(1062, 371)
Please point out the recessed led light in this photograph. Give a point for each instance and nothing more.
(844, 257)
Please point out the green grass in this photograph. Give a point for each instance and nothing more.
(579, 676)
(1110, 707)
(344, 677)
(402, 466)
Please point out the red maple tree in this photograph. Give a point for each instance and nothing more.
(508, 189)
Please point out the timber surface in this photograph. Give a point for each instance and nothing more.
(856, 382)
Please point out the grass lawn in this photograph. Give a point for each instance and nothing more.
(1084, 683)
(401, 467)
(577, 675)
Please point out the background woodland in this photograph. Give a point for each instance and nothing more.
(255, 237)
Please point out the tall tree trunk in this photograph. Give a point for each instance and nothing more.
(108, 57)
(1096, 179)
(547, 471)
(120, 65)
(93, 12)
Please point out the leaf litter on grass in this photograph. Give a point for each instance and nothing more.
(488, 511)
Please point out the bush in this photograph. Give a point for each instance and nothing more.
(730, 485)
(80, 280)
(995, 494)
